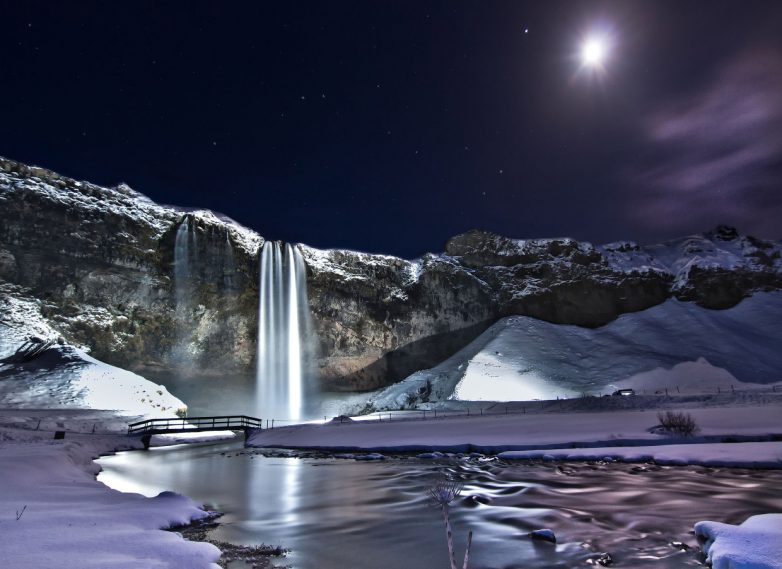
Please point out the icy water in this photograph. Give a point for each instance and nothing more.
(337, 513)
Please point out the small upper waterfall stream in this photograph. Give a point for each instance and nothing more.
(283, 331)
(182, 262)
(185, 248)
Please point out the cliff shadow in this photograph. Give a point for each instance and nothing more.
(397, 364)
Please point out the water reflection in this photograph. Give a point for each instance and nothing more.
(340, 513)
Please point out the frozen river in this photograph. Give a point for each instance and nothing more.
(337, 513)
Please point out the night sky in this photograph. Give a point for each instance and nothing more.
(391, 126)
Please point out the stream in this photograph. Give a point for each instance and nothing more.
(340, 513)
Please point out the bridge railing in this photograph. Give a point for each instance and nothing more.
(233, 422)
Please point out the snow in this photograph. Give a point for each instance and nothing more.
(66, 519)
(355, 265)
(712, 250)
(53, 513)
(676, 345)
(90, 199)
(20, 317)
(66, 377)
(93, 201)
(748, 455)
(532, 431)
(755, 544)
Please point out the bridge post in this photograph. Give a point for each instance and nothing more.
(146, 439)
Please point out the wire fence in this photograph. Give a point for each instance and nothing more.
(638, 400)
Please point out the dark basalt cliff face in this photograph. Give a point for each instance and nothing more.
(100, 262)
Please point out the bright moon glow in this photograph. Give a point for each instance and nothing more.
(593, 51)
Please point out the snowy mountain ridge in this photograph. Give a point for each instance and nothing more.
(101, 263)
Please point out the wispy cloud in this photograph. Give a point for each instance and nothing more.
(717, 154)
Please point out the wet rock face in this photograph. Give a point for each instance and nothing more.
(102, 263)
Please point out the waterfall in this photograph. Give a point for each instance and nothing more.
(182, 264)
(283, 331)
(229, 264)
(185, 248)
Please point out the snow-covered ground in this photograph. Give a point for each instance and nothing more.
(675, 346)
(525, 431)
(53, 513)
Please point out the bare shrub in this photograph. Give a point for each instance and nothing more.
(441, 494)
(678, 423)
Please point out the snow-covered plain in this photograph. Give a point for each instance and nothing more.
(675, 346)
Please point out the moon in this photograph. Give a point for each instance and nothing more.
(594, 51)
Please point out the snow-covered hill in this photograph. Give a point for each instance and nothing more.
(58, 376)
(676, 345)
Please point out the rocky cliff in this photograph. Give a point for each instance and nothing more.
(100, 263)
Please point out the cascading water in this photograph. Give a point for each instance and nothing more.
(283, 332)
(185, 247)
(182, 264)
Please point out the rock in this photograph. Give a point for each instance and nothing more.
(605, 560)
(431, 455)
(370, 456)
(342, 419)
(101, 263)
(543, 535)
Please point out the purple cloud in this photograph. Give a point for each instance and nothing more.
(717, 154)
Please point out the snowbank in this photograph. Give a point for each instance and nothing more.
(755, 544)
(53, 513)
(740, 455)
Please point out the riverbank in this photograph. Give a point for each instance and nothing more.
(723, 432)
(54, 513)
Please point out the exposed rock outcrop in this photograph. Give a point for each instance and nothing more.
(101, 263)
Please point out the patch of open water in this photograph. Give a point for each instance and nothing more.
(335, 513)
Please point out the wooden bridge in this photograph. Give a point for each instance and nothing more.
(145, 429)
